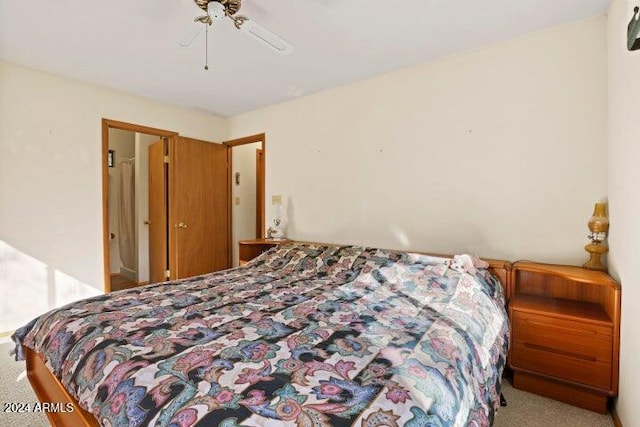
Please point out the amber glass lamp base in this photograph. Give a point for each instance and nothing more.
(595, 250)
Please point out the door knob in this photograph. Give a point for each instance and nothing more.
(181, 225)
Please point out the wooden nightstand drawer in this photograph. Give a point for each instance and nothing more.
(580, 340)
(549, 361)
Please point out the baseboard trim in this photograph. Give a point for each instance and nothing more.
(614, 415)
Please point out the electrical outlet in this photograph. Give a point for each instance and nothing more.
(237, 200)
(276, 200)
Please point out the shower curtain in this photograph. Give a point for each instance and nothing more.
(126, 215)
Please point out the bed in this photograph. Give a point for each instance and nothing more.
(303, 335)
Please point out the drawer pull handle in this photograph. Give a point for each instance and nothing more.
(561, 352)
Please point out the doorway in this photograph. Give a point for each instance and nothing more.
(247, 190)
(125, 210)
(128, 207)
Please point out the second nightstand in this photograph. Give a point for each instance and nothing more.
(249, 249)
(565, 333)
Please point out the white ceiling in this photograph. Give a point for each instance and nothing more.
(132, 45)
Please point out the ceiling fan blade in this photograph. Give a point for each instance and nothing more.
(191, 35)
(266, 37)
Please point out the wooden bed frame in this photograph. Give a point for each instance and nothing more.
(49, 389)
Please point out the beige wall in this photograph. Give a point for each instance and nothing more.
(50, 164)
(624, 199)
(499, 151)
(244, 214)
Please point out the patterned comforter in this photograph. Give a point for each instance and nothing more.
(304, 335)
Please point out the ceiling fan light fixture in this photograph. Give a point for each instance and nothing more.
(216, 10)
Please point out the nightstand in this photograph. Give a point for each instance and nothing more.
(565, 329)
(249, 249)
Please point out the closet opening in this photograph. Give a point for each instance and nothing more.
(247, 189)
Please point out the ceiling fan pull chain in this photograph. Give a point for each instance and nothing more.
(206, 48)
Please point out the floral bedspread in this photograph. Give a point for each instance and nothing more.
(304, 335)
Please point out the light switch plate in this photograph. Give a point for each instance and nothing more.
(276, 200)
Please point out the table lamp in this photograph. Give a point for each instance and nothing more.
(599, 226)
(276, 231)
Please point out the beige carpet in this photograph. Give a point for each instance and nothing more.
(530, 410)
(15, 388)
(523, 409)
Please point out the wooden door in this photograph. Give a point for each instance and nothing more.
(158, 251)
(198, 207)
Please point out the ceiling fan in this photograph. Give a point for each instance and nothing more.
(217, 10)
